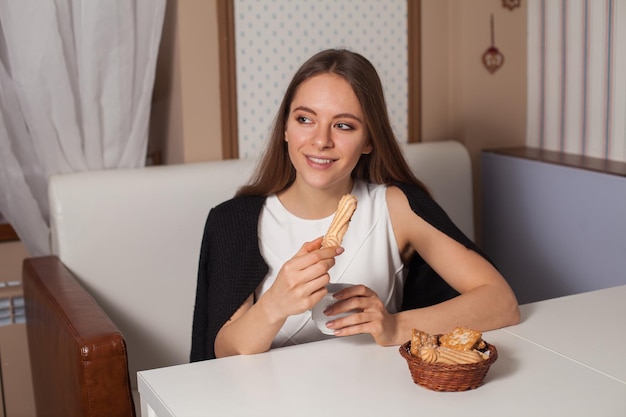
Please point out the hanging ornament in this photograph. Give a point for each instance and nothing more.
(492, 58)
(511, 4)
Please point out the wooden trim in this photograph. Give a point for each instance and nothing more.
(228, 80)
(7, 233)
(228, 77)
(414, 48)
(604, 166)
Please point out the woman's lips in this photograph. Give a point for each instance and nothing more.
(320, 161)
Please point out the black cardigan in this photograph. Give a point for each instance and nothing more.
(231, 266)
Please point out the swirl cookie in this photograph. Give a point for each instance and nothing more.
(339, 225)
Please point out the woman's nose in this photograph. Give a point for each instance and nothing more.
(322, 138)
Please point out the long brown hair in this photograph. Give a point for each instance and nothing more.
(384, 165)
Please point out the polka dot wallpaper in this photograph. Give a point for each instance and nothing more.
(274, 37)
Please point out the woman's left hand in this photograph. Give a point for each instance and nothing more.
(370, 315)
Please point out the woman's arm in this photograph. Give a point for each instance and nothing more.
(486, 301)
(247, 331)
(300, 284)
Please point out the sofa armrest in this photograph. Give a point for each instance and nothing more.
(78, 356)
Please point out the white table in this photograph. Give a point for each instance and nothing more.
(353, 376)
(589, 328)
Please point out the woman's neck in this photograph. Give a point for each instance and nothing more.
(312, 203)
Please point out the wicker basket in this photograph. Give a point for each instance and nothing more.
(441, 377)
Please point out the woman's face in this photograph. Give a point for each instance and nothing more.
(326, 133)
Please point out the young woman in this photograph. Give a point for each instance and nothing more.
(261, 266)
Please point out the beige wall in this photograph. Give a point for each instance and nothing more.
(11, 256)
(436, 57)
(486, 110)
(460, 98)
(185, 120)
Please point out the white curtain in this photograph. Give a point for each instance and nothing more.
(76, 79)
(577, 77)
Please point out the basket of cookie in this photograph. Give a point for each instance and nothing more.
(455, 361)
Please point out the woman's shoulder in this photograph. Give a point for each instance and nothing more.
(398, 193)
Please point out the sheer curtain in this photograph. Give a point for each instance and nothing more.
(577, 77)
(76, 79)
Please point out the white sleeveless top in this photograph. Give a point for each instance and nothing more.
(371, 254)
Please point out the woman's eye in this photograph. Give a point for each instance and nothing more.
(303, 119)
(344, 126)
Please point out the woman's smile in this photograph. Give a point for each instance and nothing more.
(320, 161)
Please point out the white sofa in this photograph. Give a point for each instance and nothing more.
(131, 239)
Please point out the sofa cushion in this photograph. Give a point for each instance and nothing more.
(132, 238)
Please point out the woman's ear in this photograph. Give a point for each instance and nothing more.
(368, 148)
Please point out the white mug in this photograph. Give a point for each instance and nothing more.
(317, 312)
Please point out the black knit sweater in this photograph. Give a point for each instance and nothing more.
(231, 266)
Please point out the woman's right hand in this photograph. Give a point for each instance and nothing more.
(299, 285)
(301, 281)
